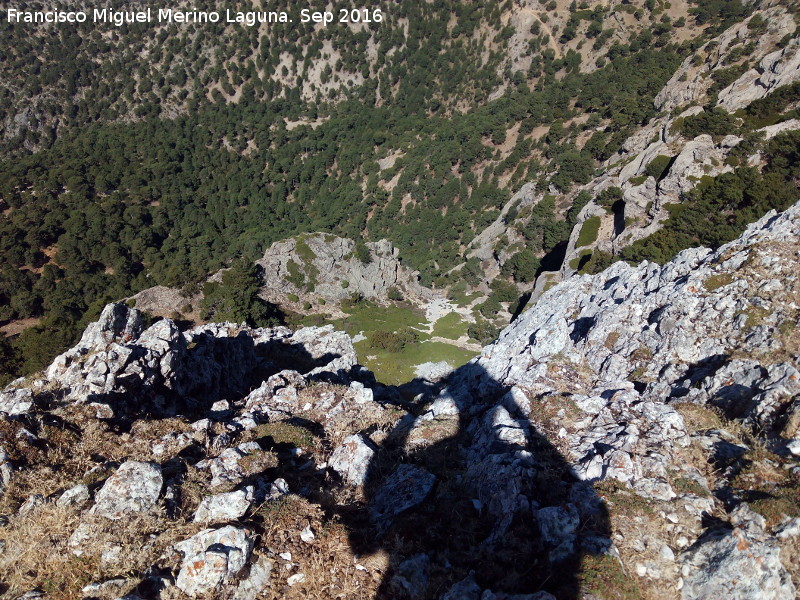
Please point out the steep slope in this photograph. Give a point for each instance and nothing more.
(215, 141)
(633, 434)
(699, 134)
(717, 115)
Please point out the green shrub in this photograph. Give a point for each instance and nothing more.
(483, 331)
(393, 341)
(236, 299)
(296, 276)
(362, 253)
(719, 208)
(715, 121)
(589, 231)
(393, 293)
(489, 308)
(504, 291)
(523, 266)
(657, 167)
(598, 261)
(638, 180)
(304, 251)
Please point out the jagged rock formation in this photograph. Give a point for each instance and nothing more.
(326, 266)
(778, 68)
(646, 199)
(691, 81)
(643, 417)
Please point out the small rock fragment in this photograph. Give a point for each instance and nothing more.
(307, 535)
(75, 495)
(224, 507)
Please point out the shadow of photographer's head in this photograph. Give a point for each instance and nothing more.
(466, 491)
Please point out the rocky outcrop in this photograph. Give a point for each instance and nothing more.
(691, 81)
(212, 558)
(119, 366)
(653, 338)
(646, 200)
(746, 564)
(134, 487)
(326, 266)
(636, 419)
(776, 69)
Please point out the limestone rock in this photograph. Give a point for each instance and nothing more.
(405, 488)
(557, 525)
(16, 401)
(411, 578)
(466, 589)
(777, 69)
(224, 507)
(352, 459)
(212, 558)
(740, 563)
(126, 371)
(134, 487)
(691, 81)
(256, 581)
(6, 469)
(75, 495)
(332, 271)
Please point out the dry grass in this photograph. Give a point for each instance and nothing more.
(37, 550)
(714, 282)
(328, 562)
(699, 417)
(36, 554)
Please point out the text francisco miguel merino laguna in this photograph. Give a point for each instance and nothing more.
(162, 15)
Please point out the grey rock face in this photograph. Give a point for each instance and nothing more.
(256, 581)
(74, 496)
(407, 487)
(558, 525)
(6, 469)
(777, 69)
(333, 272)
(122, 370)
(411, 579)
(224, 507)
(740, 563)
(690, 82)
(16, 401)
(135, 487)
(652, 324)
(212, 558)
(352, 459)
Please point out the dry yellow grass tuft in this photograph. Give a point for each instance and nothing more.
(36, 554)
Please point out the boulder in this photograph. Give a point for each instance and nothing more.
(224, 507)
(352, 458)
(212, 558)
(133, 488)
(405, 488)
(739, 563)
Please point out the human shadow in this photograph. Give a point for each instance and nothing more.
(466, 492)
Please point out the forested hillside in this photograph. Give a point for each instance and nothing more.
(155, 154)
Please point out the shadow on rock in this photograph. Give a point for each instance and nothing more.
(128, 372)
(471, 501)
